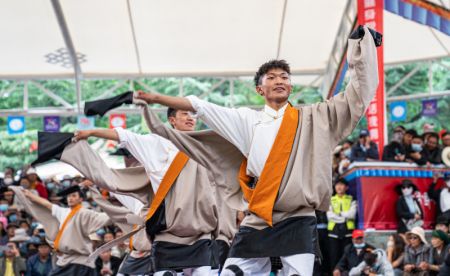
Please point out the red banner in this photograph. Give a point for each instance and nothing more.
(370, 13)
(117, 120)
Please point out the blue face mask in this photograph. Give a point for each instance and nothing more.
(348, 152)
(34, 224)
(416, 147)
(50, 186)
(100, 232)
(42, 234)
(4, 207)
(66, 183)
(94, 204)
(13, 218)
(359, 245)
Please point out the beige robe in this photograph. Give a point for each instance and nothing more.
(307, 183)
(74, 245)
(191, 212)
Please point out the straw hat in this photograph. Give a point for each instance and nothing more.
(446, 156)
(418, 231)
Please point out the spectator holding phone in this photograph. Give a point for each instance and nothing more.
(11, 264)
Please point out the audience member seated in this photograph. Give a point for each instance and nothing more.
(415, 153)
(407, 138)
(11, 263)
(374, 263)
(395, 250)
(107, 265)
(395, 151)
(40, 264)
(35, 183)
(353, 254)
(409, 211)
(441, 195)
(445, 138)
(417, 253)
(439, 251)
(364, 149)
(432, 152)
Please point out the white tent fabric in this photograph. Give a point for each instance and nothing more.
(141, 38)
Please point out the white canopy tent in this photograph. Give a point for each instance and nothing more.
(128, 39)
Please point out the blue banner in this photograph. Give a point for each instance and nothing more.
(398, 111)
(16, 124)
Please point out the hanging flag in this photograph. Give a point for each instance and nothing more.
(398, 111)
(52, 123)
(84, 123)
(429, 107)
(118, 120)
(16, 124)
(370, 13)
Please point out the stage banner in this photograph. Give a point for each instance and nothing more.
(377, 195)
(118, 120)
(16, 124)
(84, 123)
(52, 123)
(398, 111)
(429, 107)
(370, 13)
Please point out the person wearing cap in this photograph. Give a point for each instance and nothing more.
(417, 253)
(407, 138)
(408, 209)
(395, 151)
(353, 253)
(374, 263)
(40, 264)
(414, 154)
(441, 195)
(10, 232)
(442, 224)
(439, 251)
(68, 228)
(432, 151)
(364, 149)
(341, 221)
(35, 182)
(12, 264)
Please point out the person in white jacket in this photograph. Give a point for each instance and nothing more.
(375, 263)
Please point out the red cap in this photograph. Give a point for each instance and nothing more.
(357, 233)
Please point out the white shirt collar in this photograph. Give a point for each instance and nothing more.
(273, 113)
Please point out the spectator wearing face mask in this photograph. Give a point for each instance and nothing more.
(441, 196)
(395, 151)
(395, 251)
(417, 253)
(364, 149)
(36, 184)
(374, 263)
(346, 153)
(415, 153)
(409, 211)
(432, 151)
(353, 253)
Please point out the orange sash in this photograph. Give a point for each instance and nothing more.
(169, 178)
(63, 227)
(131, 238)
(262, 198)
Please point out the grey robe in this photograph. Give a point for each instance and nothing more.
(306, 184)
(74, 245)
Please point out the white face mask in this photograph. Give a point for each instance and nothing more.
(8, 181)
(407, 191)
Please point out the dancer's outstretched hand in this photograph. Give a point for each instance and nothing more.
(81, 135)
(147, 97)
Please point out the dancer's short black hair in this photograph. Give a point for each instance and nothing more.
(171, 112)
(271, 64)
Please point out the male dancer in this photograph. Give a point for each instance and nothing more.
(67, 228)
(285, 163)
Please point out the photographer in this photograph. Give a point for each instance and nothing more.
(12, 263)
(364, 149)
(375, 263)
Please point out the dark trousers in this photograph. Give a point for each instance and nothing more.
(336, 249)
(323, 267)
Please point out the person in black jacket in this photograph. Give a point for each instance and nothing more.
(414, 153)
(441, 196)
(395, 151)
(432, 151)
(353, 253)
(364, 149)
(408, 209)
(107, 265)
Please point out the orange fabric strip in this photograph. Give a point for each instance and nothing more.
(169, 178)
(262, 198)
(60, 232)
(131, 238)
